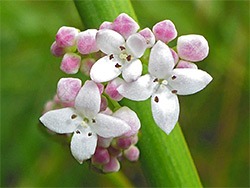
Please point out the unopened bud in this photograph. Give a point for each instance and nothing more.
(175, 56)
(132, 153)
(100, 157)
(192, 47)
(165, 31)
(57, 50)
(125, 25)
(68, 88)
(66, 36)
(104, 142)
(149, 37)
(86, 42)
(124, 143)
(106, 25)
(70, 63)
(112, 166)
(87, 65)
(114, 152)
(104, 103)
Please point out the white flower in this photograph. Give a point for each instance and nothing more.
(85, 122)
(163, 83)
(122, 57)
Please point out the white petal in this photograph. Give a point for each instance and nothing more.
(161, 61)
(188, 81)
(136, 45)
(109, 41)
(108, 126)
(105, 69)
(83, 144)
(61, 121)
(88, 100)
(138, 90)
(130, 117)
(132, 71)
(165, 109)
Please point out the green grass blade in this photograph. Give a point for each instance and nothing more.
(166, 160)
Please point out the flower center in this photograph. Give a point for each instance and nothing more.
(124, 55)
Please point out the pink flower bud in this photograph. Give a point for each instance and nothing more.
(87, 65)
(149, 37)
(165, 31)
(57, 50)
(125, 25)
(130, 118)
(100, 157)
(66, 36)
(100, 87)
(134, 139)
(112, 166)
(106, 25)
(70, 63)
(132, 153)
(104, 103)
(175, 56)
(114, 152)
(86, 42)
(104, 142)
(185, 64)
(192, 47)
(124, 143)
(68, 88)
(111, 89)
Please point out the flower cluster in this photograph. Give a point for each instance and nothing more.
(103, 131)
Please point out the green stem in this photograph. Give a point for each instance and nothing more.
(166, 160)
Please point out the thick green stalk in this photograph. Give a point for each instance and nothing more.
(166, 160)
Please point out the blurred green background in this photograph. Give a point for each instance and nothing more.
(215, 121)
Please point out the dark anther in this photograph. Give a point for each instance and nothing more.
(73, 116)
(128, 57)
(155, 80)
(156, 99)
(89, 134)
(174, 91)
(77, 132)
(111, 56)
(93, 120)
(122, 48)
(117, 65)
(173, 77)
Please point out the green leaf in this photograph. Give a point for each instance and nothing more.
(166, 160)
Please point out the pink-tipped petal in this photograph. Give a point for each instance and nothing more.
(104, 142)
(125, 25)
(70, 63)
(165, 31)
(185, 64)
(100, 157)
(149, 37)
(124, 143)
(130, 117)
(68, 88)
(111, 89)
(106, 25)
(86, 42)
(104, 103)
(175, 56)
(192, 47)
(87, 65)
(70, 104)
(132, 153)
(66, 36)
(57, 50)
(112, 166)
